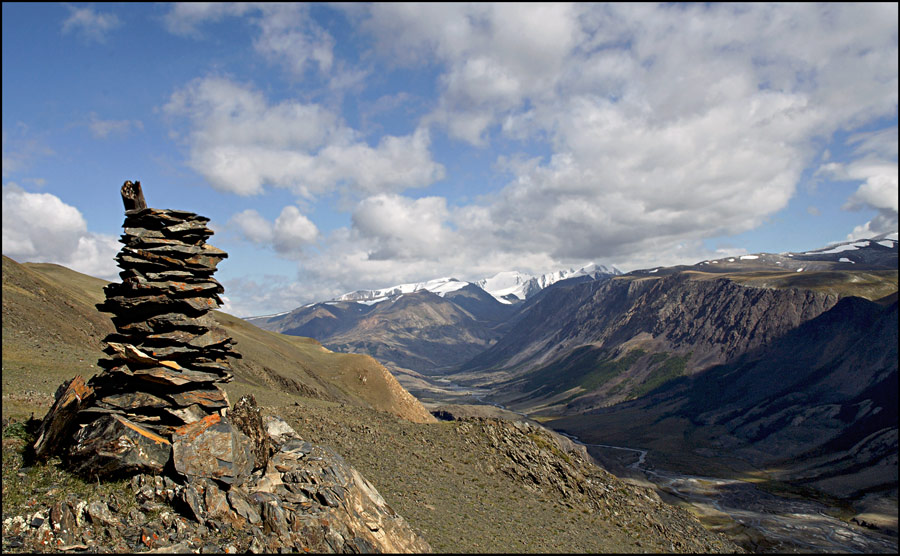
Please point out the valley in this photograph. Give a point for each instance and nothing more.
(751, 516)
(756, 391)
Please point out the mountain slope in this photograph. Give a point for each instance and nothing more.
(817, 406)
(52, 331)
(702, 321)
(581, 345)
(419, 330)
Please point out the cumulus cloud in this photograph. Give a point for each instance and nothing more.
(39, 227)
(666, 123)
(399, 228)
(252, 226)
(876, 167)
(655, 127)
(90, 24)
(291, 232)
(240, 143)
(496, 55)
(185, 18)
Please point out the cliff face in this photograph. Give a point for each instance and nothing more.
(702, 322)
(821, 401)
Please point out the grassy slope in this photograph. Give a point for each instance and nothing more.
(52, 331)
(447, 480)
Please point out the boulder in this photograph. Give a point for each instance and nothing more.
(212, 448)
(112, 445)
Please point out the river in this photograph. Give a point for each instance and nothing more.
(763, 522)
(772, 523)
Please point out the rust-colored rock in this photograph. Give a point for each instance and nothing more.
(113, 445)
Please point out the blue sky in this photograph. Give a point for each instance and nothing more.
(340, 147)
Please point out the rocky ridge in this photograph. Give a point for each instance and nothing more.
(305, 499)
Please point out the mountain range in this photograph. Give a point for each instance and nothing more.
(777, 359)
(775, 368)
(423, 327)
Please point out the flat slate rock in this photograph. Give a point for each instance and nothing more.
(113, 445)
(211, 448)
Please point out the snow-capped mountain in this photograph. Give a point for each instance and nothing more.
(512, 287)
(439, 286)
(507, 287)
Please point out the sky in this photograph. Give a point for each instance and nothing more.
(338, 147)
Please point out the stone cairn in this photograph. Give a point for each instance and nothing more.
(155, 412)
(159, 386)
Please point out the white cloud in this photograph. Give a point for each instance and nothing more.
(287, 34)
(252, 226)
(185, 17)
(39, 227)
(293, 231)
(399, 228)
(874, 163)
(102, 129)
(240, 143)
(267, 295)
(648, 128)
(90, 24)
(667, 123)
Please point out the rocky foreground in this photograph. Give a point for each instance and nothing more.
(307, 499)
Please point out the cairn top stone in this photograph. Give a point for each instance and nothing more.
(133, 196)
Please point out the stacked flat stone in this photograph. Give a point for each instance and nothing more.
(167, 353)
(157, 397)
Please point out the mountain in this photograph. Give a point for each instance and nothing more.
(582, 345)
(514, 286)
(609, 340)
(425, 327)
(439, 286)
(816, 407)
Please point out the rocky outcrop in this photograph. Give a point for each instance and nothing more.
(554, 466)
(305, 499)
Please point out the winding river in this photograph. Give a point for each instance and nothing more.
(783, 524)
(766, 522)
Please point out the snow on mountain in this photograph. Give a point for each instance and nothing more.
(439, 286)
(513, 286)
(506, 287)
(888, 240)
